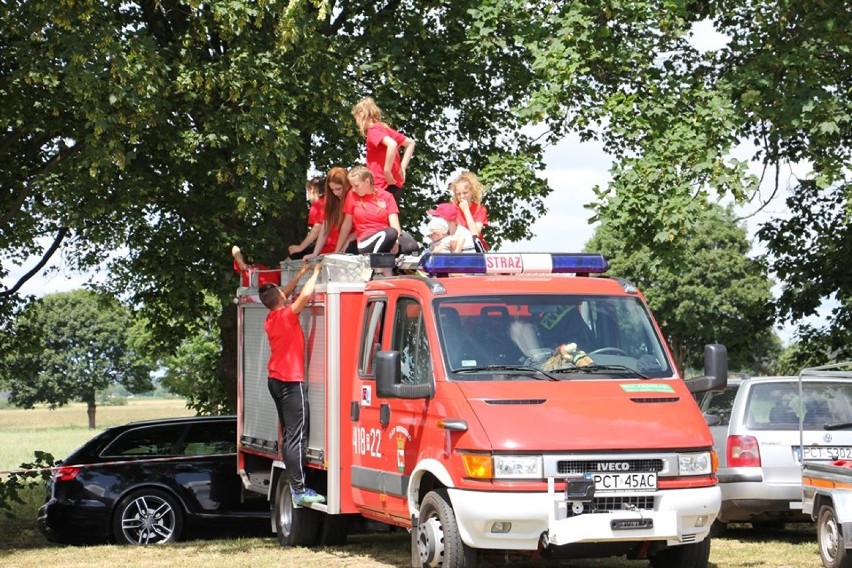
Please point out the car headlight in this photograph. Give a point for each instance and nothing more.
(695, 464)
(486, 466)
(518, 467)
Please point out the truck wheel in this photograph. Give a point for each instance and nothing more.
(695, 555)
(295, 526)
(334, 530)
(830, 540)
(438, 541)
(147, 516)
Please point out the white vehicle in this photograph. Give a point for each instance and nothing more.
(827, 473)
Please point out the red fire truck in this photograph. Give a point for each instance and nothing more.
(489, 403)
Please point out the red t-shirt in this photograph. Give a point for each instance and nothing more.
(331, 239)
(377, 151)
(316, 214)
(286, 344)
(369, 213)
(477, 211)
(479, 214)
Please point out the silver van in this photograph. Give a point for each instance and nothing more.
(757, 440)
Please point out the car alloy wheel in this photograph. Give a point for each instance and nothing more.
(148, 516)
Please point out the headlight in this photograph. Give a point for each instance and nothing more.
(518, 467)
(695, 464)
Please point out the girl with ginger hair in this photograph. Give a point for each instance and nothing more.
(383, 144)
(466, 192)
(337, 187)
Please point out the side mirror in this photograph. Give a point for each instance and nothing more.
(715, 370)
(389, 379)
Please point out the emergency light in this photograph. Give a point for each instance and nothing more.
(513, 263)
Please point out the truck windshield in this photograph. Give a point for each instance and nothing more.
(611, 335)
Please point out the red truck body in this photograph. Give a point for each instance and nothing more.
(430, 410)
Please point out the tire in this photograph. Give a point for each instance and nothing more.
(295, 526)
(147, 516)
(830, 539)
(437, 539)
(718, 529)
(334, 529)
(695, 555)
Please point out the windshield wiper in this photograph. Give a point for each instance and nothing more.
(599, 368)
(491, 368)
(837, 426)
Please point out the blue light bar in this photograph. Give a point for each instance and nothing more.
(513, 263)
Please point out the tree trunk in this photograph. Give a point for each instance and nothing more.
(227, 371)
(677, 354)
(90, 409)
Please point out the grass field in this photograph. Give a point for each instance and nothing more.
(64, 429)
(59, 431)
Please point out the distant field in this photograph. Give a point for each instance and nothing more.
(61, 431)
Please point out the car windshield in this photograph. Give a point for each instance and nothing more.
(777, 406)
(509, 337)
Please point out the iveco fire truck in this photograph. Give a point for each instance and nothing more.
(489, 403)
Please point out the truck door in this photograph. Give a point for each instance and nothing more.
(392, 429)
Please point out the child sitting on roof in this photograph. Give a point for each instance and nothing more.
(460, 237)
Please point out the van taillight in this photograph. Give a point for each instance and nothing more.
(743, 451)
(65, 473)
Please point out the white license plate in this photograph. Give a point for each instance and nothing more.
(612, 482)
(827, 452)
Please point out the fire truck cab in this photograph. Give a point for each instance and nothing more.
(489, 403)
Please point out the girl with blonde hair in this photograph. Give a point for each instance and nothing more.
(466, 192)
(383, 145)
(372, 214)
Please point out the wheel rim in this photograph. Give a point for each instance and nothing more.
(148, 520)
(830, 538)
(285, 514)
(430, 542)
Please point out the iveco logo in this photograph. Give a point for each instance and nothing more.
(614, 466)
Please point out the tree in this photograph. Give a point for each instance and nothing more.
(171, 130)
(715, 293)
(672, 116)
(68, 346)
(190, 369)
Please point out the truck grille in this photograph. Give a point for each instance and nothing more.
(566, 467)
(605, 504)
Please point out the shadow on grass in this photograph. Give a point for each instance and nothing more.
(791, 533)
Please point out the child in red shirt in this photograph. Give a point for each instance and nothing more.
(467, 196)
(373, 215)
(383, 144)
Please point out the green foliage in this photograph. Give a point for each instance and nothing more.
(18, 482)
(69, 346)
(172, 131)
(672, 116)
(714, 293)
(190, 369)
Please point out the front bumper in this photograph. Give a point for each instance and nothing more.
(680, 516)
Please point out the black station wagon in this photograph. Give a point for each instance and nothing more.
(149, 483)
